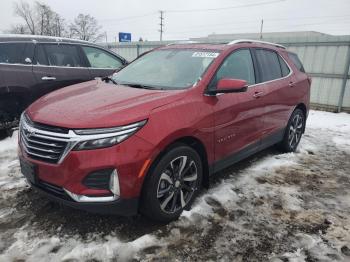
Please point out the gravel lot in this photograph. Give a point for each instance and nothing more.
(270, 207)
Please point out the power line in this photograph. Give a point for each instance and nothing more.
(191, 10)
(223, 8)
(128, 17)
(270, 27)
(256, 22)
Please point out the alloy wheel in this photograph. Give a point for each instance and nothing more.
(177, 184)
(295, 130)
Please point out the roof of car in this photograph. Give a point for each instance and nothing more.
(223, 46)
(38, 38)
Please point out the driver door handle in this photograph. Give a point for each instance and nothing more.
(48, 78)
(258, 94)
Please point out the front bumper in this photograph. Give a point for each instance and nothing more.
(122, 207)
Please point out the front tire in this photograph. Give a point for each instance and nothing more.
(172, 185)
(293, 132)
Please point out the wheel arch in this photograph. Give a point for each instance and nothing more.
(192, 142)
(303, 108)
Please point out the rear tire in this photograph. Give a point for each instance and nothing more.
(3, 134)
(172, 185)
(4, 118)
(294, 130)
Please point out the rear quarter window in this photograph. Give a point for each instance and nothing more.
(296, 61)
(284, 67)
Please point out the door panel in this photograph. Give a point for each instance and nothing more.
(279, 105)
(278, 83)
(52, 78)
(58, 65)
(238, 122)
(238, 116)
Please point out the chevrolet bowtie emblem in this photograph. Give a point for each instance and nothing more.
(30, 133)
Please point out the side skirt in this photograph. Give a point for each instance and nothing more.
(247, 151)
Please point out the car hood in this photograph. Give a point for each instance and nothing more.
(97, 104)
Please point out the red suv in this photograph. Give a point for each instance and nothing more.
(146, 139)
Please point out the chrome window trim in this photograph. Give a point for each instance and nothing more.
(77, 67)
(16, 64)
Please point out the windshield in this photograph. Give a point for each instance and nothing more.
(166, 69)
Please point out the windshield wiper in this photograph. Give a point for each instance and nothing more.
(110, 79)
(143, 86)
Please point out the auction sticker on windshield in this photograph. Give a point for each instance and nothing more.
(205, 54)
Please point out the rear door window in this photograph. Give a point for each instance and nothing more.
(269, 65)
(284, 67)
(99, 58)
(238, 65)
(60, 55)
(16, 53)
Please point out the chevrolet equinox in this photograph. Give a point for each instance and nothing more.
(146, 139)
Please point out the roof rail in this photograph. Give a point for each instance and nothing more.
(238, 41)
(184, 42)
(56, 38)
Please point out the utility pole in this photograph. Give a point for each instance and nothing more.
(261, 28)
(161, 24)
(106, 37)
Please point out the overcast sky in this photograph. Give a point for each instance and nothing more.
(186, 18)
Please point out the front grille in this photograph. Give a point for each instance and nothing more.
(42, 145)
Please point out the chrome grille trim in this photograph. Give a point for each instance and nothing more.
(44, 144)
(58, 145)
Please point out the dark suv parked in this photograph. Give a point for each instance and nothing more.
(31, 66)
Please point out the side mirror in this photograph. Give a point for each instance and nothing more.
(228, 85)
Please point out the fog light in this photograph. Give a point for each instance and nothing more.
(97, 180)
(114, 183)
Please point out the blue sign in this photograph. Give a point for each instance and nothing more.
(124, 37)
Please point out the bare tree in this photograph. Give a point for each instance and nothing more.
(49, 22)
(25, 11)
(85, 27)
(18, 29)
(39, 19)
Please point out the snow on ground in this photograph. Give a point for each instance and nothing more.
(270, 207)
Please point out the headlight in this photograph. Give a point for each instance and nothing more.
(105, 137)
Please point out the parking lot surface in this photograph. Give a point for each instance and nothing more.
(270, 207)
